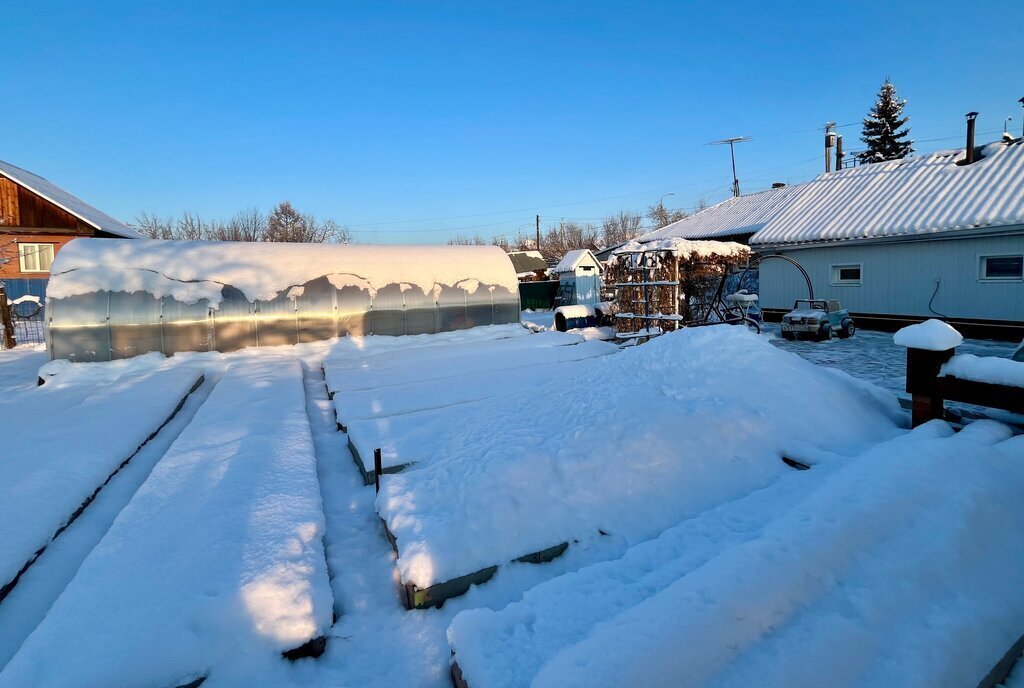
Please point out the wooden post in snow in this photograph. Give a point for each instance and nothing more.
(6, 323)
(927, 399)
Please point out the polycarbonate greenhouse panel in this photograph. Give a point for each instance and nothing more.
(111, 299)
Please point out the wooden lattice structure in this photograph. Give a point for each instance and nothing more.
(667, 284)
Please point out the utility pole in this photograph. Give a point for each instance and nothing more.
(732, 154)
(538, 233)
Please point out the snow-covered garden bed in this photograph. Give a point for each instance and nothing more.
(218, 555)
(51, 473)
(844, 578)
(634, 444)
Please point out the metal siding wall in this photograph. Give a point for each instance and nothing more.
(899, 278)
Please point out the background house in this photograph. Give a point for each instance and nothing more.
(931, 236)
(530, 266)
(37, 218)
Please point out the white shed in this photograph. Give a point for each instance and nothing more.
(579, 278)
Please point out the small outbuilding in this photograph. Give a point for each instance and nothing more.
(579, 278)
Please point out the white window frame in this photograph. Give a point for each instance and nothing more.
(834, 274)
(26, 249)
(982, 277)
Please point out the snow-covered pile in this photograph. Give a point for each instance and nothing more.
(420, 395)
(930, 335)
(437, 403)
(997, 371)
(218, 555)
(686, 248)
(634, 444)
(898, 567)
(352, 351)
(51, 469)
(193, 269)
(404, 365)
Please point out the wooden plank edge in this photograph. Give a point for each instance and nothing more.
(7, 587)
(458, 680)
(436, 595)
(1004, 666)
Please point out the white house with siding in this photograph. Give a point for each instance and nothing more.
(907, 239)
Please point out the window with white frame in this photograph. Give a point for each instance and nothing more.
(35, 257)
(846, 274)
(1003, 268)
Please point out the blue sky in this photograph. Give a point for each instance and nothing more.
(470, 117)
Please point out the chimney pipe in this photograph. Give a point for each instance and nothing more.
(830, 141)
(839, 152)
(969, 153)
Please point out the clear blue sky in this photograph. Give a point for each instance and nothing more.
(470, 117)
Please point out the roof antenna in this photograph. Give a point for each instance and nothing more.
(732, 153)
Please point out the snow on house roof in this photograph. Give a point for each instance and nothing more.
(737, 215)
(571, 260)
(921, 195)
(72, 204)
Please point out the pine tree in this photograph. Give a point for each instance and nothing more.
(883, 131)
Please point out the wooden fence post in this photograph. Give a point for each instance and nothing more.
(923, 368)
(6, 323)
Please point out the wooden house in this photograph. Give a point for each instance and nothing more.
(37, 218)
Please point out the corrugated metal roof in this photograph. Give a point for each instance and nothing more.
(571, 260)
(738, 215)
(527, 261)
(63, 199)
(914, 196)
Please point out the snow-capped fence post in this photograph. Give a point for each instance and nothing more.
(6, 323)
(377, 468)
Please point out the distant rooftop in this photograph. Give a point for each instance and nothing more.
(526, 262)
(732, 217)
(72, 204)
(920, 195)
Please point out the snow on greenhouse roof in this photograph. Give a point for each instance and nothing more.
(262, 270)
(914, 196)
(72, 204)
(571, 260)
(737, 215)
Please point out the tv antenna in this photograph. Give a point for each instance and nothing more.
(732, 154)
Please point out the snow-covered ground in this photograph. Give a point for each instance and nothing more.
(873, 356)
(881, 555)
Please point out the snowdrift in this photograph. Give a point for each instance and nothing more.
(636, 443)
(218, 554)
(896, 567)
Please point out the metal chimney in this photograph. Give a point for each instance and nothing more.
(969, 153)
(830, 142)
(839, 152)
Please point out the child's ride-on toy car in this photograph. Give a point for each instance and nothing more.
(818, 319)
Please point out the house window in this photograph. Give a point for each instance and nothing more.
(846, 274)
(1002, 268)
(35, 257)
